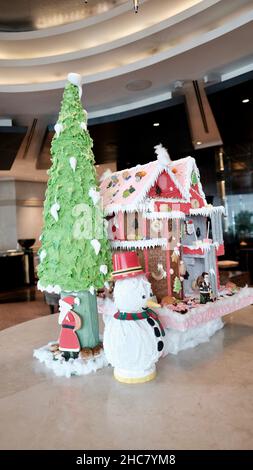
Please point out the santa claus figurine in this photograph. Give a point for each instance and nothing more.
(70, 322)
(205, 290)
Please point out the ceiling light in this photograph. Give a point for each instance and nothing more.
(198, 142)
(138, 85)
(246, 100)
(135, 3)
(156, 124)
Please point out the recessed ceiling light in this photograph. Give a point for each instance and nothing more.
(138, 85)
(198, 142)
(246, 100)
(156, 124)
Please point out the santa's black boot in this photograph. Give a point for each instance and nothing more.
(66, 355)
(75, 355)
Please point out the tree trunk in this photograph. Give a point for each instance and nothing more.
(87, 310)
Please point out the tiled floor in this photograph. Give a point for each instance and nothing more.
(12, 313)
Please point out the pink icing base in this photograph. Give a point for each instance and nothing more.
(205, 313)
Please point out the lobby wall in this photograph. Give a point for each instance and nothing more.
(8, 232)
(29, 208)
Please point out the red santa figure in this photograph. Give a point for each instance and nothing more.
(70, 322)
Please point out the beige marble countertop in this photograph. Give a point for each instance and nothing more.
(201, 399)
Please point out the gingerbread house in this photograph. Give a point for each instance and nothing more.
(159, 209)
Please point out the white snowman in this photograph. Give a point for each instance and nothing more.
(133, 337)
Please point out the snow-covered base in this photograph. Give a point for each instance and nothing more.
(176, 341)
(61, 368)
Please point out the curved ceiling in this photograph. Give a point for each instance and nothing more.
(27, 15)
(116, 51)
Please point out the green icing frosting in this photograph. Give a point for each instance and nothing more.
(70, 261)
(194, 178)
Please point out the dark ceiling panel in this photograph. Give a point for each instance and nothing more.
(234, 118)
(10, 140)
(43, 161)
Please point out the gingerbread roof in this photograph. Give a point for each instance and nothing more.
(128, 190)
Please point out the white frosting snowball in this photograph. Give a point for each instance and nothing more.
(58, 128)
(83, 126)
(54, 210)
(57, 289)
(73, 162)
(75, 79)
(94, 195)
(42, 255)
(103, 269)
(96, 245)
(92, 290)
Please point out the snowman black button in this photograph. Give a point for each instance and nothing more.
(157, 332)
(160, 345)
(151, 321)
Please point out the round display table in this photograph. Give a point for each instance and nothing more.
(195, 390)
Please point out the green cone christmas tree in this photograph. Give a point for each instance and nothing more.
(75, 254)
(177, 287)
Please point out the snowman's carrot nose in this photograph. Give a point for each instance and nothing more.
(152, 304)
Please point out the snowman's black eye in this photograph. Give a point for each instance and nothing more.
(144, 297)
(151, 294)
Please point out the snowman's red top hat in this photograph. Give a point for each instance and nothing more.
(126, 264)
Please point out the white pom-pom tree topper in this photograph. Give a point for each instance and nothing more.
(76, 79)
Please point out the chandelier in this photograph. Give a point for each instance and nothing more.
(135, 3)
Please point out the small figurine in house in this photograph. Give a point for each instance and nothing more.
(133, 337)
(205, 290)
(70, 322)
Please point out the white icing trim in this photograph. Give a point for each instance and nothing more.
(171, 199)
(50, 289)
(116, 208)
(165, 215)
(207, 210)
(128, 245)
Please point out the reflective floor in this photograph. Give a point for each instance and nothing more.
(201, 399)
(21, 305)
